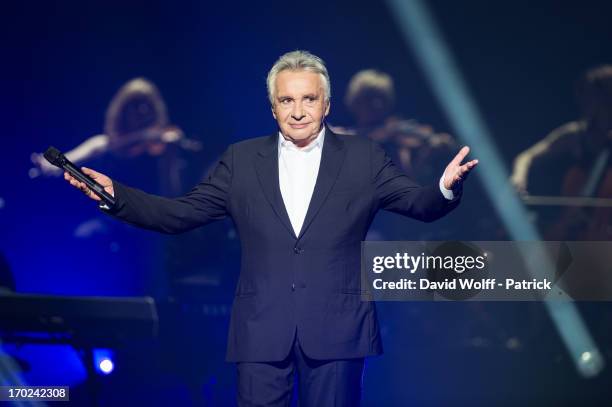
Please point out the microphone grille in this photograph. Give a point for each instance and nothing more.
(54, 156)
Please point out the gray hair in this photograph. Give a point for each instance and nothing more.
(298, 61)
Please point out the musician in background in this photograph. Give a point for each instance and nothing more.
(570, 173)
(415, 147)
(136, 125)
(139, 140)
(421, 152)
(574, 161)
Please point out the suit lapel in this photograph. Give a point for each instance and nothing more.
(332, 158)
(266, 166)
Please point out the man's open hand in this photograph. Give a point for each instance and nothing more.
(101, 179)
(456, 172)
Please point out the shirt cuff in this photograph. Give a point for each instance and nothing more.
(448, 193)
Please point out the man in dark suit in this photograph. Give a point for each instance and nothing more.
(302, 201)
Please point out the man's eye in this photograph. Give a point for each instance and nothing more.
(310, 99)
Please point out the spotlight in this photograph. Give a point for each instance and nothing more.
(106, 366)
(103, 361)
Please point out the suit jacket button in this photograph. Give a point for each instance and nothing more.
(292, 286)
(297, 250)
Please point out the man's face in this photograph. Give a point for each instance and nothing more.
(299, 105)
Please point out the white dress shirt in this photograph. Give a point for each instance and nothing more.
(297, 172)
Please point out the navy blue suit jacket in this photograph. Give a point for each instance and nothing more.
(308, 283)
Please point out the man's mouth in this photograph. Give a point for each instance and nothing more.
(298, 125)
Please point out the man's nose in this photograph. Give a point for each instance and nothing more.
(298, 112)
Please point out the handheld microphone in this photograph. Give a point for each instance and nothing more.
(55, 157)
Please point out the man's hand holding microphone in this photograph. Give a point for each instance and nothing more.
(93, 184)
(101, 179)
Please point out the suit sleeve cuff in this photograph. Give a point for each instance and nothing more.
(448, 193)
(114, 208)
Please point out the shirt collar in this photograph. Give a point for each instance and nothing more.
(288, 144)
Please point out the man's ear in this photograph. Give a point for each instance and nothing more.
(327, 107)
(273, 112)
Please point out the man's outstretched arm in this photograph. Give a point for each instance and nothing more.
(206, 202)
(396, 192)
